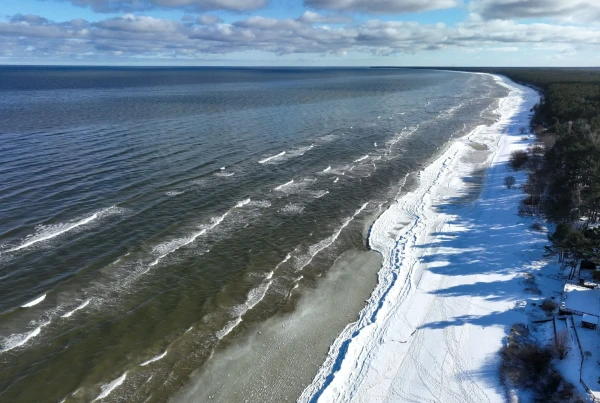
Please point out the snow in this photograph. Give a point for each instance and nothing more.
(581, 299)
(451, 284)
(570, 365)
(590, 369)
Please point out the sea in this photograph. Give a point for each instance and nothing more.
(201, 234)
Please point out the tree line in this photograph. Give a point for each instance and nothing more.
(563, 165)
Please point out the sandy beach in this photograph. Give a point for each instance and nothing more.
(450, 286)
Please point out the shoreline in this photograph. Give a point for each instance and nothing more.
(364, 348)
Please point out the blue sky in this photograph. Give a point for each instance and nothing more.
(301, 32)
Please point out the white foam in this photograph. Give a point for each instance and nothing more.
(321, 193)
(153, 359)
(328, 138)
(228, 328)
(314, 250)
(280, 187)
(336, 179)
(224, 174)
(242, 203)
(292, 208)
(167, 248)
(17, 340)
(281, 154)
(254, 297)
(222, 168)
(47, 232)
(260, 203)
(364, 157)
(174, 192)
(34, 302)
(300, 151)
(81, 306)
(109, 387)
(326, 169)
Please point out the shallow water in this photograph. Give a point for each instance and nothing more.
(164, 212)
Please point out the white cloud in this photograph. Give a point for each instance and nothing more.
(562, 10)
(103, 6)
(311, 17)
(383, 6)
(147, 37)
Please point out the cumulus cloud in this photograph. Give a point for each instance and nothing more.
(208, 19)
(111, 6)
(564, 10)
(132, 36)
(382, 6)
(310, 17)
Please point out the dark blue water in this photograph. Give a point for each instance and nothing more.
(159, 212)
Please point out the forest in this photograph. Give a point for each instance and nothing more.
(564, 163)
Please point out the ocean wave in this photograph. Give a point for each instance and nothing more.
(242, 203)
(174, 192)
(228, 328)
(364, 157)
(260, 203)
(254, 297)
(272, 157)
(109, 387)
(314, 250)
(292, 208)
(320, 193)
(299, 151)
(48, 232)
(153, 359)
(17, 340)
(165, 249)
(224, 174)
(280, 187)
(34, 302)
(81, 306)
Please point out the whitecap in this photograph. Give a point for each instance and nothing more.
(109, 387)
(167, 248)
(34, 302)
(314, 250)
(153, 359)
(272, 157)
(228, 328)
(284, 185)
(224, 174)
(17, 340)
(292, 208)
(260, 203)
(47, 232)
(81, 306)
(242, 203)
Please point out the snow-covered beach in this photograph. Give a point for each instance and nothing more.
(451, 282)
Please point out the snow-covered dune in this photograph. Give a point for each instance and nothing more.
(449, 283)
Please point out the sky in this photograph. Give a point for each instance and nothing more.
(301, 32)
